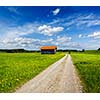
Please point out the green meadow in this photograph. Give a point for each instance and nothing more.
(18, 68)
(88, 67)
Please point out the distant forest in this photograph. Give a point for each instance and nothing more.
(30, 51)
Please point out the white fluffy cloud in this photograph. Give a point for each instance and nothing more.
(26, 43)
(65, 42)
(15, 32)
(80, 35)
(62, 42)
(48, 30)
(27, 29)
(63, 39)
(16, 37)
(56, 11)
(95, 35)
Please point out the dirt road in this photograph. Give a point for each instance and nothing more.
(60, 77)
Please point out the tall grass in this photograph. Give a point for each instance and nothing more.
(88, 66)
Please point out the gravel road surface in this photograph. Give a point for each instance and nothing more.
(60, 77)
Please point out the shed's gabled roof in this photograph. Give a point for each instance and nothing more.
(48, 47)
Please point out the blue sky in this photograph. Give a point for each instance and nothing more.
(66, 27)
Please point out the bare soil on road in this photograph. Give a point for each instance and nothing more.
(60, 77)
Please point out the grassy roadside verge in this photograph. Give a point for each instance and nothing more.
(18, 68)
(88, 67)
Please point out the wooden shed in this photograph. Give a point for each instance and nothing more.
(48, 49)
